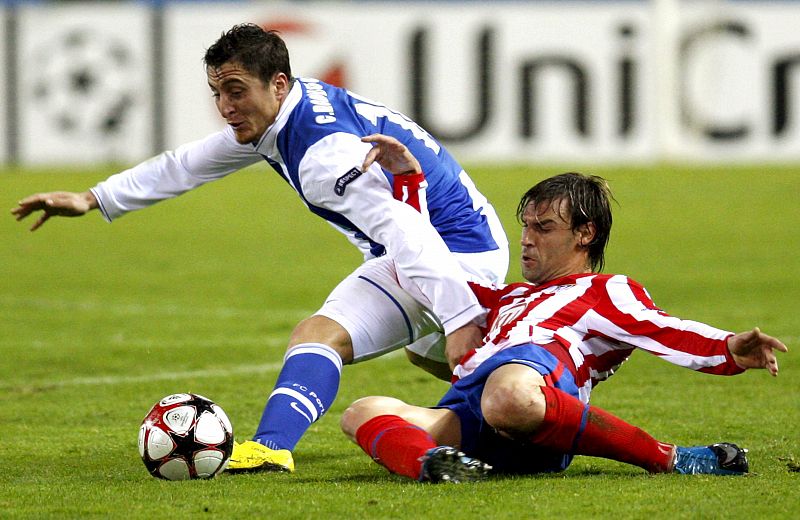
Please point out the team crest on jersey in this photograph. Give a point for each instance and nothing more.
(344, 180)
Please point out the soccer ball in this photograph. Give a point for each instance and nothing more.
(185, 436)
(85, 83)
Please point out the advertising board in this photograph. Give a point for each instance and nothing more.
(563, 81)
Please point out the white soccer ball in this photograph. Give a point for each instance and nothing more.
(185, 436)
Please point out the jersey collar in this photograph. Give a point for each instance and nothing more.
(267, 145)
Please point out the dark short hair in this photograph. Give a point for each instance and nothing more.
(589, 199)
(261, 53)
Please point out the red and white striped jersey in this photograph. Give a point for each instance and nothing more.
(598, 320)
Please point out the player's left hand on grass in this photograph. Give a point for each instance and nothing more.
(754, 349)
(461, 341)
(391, 154)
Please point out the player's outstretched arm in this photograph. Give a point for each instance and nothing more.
(391, 154)
(754, 349)
(57, 203)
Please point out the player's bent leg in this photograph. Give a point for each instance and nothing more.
(518, 403)
(512, 401)
(404, 444)
(364, 409)
(441, 424)
(371, 406)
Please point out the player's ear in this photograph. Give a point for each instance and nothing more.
(586, 233)
(281, 83)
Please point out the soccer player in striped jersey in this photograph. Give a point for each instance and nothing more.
(520, 402)
(412, 287)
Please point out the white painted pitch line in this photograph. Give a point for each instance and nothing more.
(149, 378)
(168, 309)
(166, 376)
(269, 341)
(146, 378)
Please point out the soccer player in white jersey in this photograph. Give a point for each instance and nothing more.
(520, 402)
(412, 286)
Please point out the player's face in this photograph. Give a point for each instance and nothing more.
(246, 103)
(550, 248)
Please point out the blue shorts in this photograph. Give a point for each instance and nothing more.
(480, 440)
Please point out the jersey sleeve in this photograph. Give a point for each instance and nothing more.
(627, 314)
(172, 173)
(331, 178)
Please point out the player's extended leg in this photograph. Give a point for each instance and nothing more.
(518, 402)
(305, 389)
(412, 441)
(365, 316)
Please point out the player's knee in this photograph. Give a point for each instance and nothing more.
(362, 411)
(513, 406)
(501, 407)
(320, 329)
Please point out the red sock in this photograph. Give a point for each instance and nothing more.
(570, 426)
(395, 443)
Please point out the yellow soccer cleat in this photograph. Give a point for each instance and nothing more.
(252, 456)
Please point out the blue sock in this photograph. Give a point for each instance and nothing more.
(306, 388)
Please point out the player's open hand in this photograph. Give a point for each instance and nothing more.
(754, 349)
(57, 203)
(391, 154)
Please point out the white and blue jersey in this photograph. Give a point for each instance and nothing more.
(315, 146)
(316, 113)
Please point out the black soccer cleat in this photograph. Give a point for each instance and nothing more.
(447, 464)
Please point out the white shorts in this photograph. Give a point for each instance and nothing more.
(382, 311)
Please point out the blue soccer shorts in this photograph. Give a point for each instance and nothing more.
(480, 440)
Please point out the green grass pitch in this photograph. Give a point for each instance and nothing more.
(199, 294)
